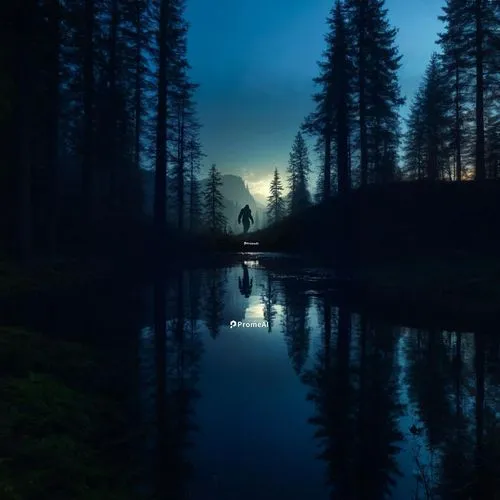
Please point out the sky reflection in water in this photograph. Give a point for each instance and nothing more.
(319, 405)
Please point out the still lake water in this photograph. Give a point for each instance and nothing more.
(320, 403)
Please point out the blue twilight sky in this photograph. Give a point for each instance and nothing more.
(255, 61)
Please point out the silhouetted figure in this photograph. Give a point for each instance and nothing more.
(246, 217)
(247, 283)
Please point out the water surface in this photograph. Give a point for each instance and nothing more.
(320, 403)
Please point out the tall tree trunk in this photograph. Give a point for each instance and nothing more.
(26, 78)
(458, 134)
(53, 126)
(88, 110)
(138, 86)
(180, 159)
(25, 161)
(160, 203)
(479, 50)
(343, 147)
(363, 137)
(191, 191)
(113, 102)
(327, 168)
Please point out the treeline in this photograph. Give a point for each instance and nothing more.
(454, 123)
(355, 122)
(356, 117)
(453, 128)
(93, 93)
(299, 195)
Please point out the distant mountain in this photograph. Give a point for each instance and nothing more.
(234, 191)
(236, 195)
(261, 200)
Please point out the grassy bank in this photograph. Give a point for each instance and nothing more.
(58, 431)
(451, 292)
(47, 275)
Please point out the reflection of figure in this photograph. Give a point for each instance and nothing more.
(246, 217)
(245, 284)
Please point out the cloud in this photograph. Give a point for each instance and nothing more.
(259, 186)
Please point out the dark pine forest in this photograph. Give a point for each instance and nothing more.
(96, 96)
(94, 93)
(99, 121)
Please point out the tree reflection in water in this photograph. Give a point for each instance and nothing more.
(367, 382)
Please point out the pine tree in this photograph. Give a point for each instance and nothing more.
(331, 118)
(428, 144)
(414, 157)
(184, 126)
(492, 142)
(275, 201)
(457, 65)
(341, 78)
(358, 22)
(477, 22)
(88, 110)
(492, 92)
(299, 167)
(384, 96)
(216, 222)
(160, 197)
(183, 121)
(378, 95)
(319, 149)
(54, 14)
(174, 101)
(479, 50)
(119, 94)
(139, 42)
(92, 79)
(195, 211)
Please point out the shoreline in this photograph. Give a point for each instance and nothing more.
(460, 293)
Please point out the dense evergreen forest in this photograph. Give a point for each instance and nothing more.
(96, 99)
(94, 93)
(453, 128)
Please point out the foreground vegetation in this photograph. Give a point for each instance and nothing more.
(384, 222)
(58, 431)
(47, 276)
